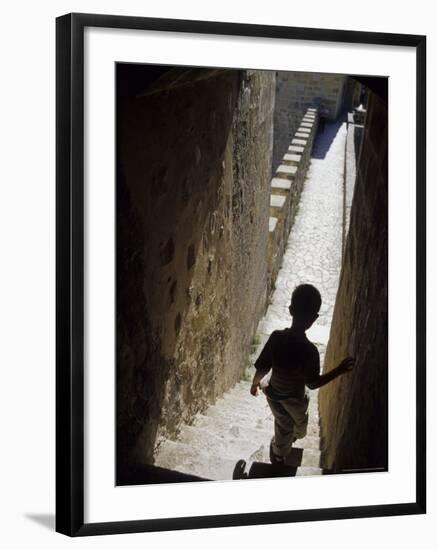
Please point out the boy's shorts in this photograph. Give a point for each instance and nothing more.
(291, 421)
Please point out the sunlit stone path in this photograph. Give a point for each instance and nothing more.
(240, 426)
(313, 252)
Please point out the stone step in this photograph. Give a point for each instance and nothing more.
(234, 416)
(248, 444)
(296, 149)
(308, 442)
(260, 431)
(272, 223)
(262, 339)
(313, 429)
(225, 445)
(277, 201)
(310, 457)
(300, 142)
(183, 458)
(246, 414)
(257, 429)
(292, 157)
(257, 406)
(244, 385)
(242, 393)
(281, 183)
(280, 191)
(238, 397)
(287, 170)
(238, 426)
(243, 390)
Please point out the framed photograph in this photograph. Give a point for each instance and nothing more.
(240, 274)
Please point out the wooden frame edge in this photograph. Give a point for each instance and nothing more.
(70, 279)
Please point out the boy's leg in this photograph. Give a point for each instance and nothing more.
(297, 409)
(284, 429)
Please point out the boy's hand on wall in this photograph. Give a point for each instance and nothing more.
(347, 364)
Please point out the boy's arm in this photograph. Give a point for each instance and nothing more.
(345, 366)
(263, 364)
(256, 381)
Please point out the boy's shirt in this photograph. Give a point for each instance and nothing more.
(294, 361)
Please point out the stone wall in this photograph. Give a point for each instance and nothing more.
(295, 93)
(194, 168)
(286, 188)
(353, 408)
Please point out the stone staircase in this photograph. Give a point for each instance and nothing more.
(238, 426)
(286, 188)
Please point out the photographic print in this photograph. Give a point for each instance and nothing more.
(251, 274)
(237, 312)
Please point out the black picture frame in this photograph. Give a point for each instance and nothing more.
(70, 273)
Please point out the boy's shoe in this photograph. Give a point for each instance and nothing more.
(278, 459)
(274, 458)
(240, 470)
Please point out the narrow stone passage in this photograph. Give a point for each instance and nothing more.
(240, 426)
(313, 252)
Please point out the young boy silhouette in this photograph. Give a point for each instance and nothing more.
(295, 363)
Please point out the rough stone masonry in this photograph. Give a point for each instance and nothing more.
(194, 168)
(353, 409)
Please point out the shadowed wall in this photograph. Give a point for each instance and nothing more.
(194, 165)
(353, 408)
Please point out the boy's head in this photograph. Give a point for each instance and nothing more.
(305, 305)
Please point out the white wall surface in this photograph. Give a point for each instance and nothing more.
(27, 273)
